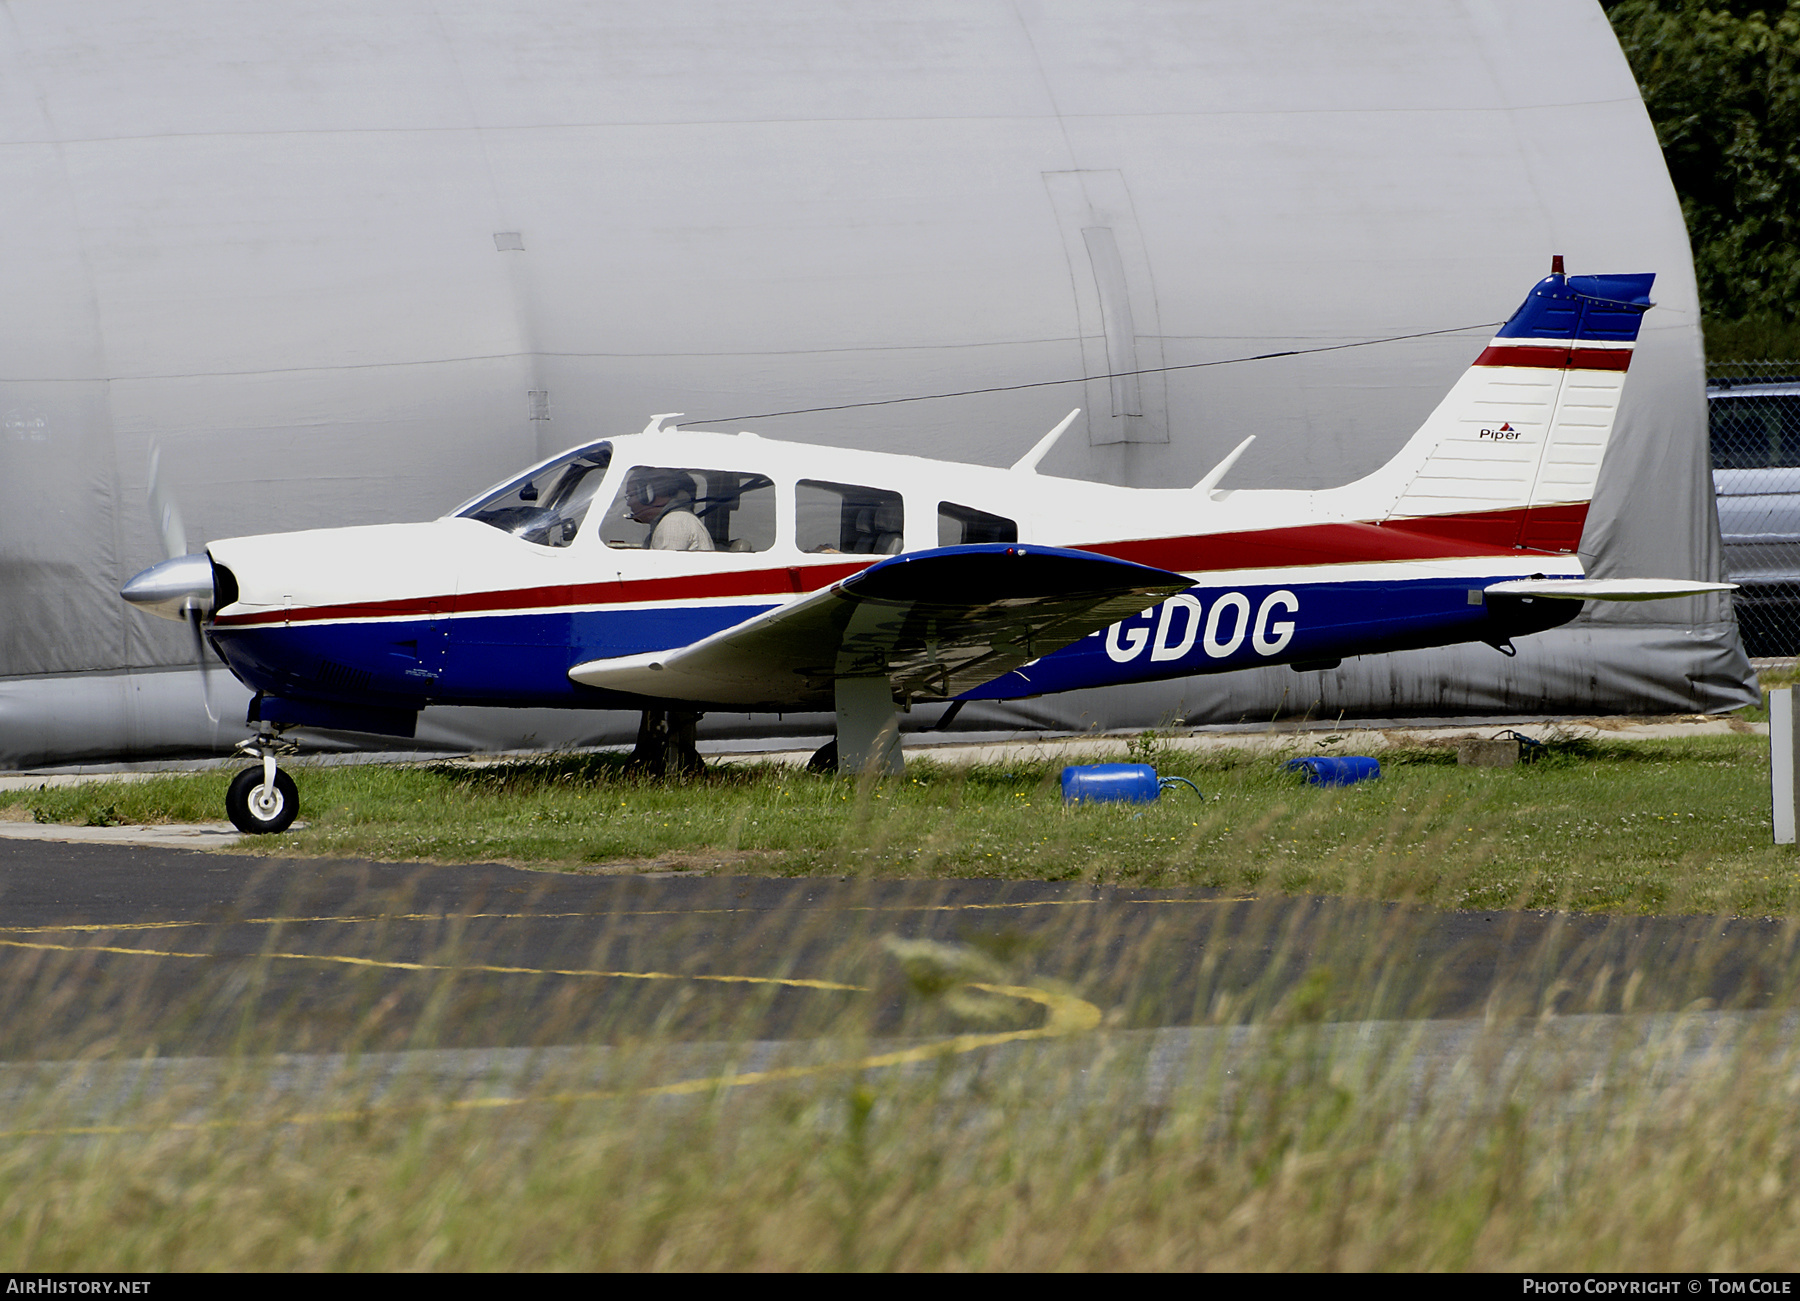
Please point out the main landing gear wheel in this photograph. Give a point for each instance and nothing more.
(665, 744)
(258, 807)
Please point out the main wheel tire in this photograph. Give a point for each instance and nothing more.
(824, 758)
(256, 810)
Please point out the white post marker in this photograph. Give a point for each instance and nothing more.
(1784, 763)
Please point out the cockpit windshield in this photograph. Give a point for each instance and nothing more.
(546, 505)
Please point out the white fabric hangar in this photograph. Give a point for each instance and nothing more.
(350, 262)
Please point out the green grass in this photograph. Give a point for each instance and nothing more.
(1642, 826)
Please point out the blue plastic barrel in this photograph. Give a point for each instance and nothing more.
(1132, 783)
(1329, 770)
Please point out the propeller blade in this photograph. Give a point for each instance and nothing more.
(164, 511)
(180, 587)
(194, 617)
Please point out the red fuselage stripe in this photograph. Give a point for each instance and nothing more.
(693, 587)
(1486, 533)
(1556, 358)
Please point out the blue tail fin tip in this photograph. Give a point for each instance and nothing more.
(1582, 309)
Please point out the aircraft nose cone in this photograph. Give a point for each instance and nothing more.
(170, 589)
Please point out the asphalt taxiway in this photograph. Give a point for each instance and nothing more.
(152, 981)
(172, 951)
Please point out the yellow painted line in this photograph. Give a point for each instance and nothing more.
(1068, 1015)
(598, 916)
(791, 981)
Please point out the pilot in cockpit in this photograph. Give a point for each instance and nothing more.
(664, 500)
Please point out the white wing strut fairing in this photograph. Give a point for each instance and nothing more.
(935, 623)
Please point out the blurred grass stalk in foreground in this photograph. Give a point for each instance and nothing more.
(1254, 1096)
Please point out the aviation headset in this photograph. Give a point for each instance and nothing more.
(648, 486)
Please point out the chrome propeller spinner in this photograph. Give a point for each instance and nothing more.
(180, 588)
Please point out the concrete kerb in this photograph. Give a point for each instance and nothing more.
(1361, 737)
(175, 835)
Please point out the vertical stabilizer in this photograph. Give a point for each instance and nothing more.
(1511, 455)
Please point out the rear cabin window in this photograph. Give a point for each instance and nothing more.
(668, 508)
(847, 518)
(964, 525)
(1755, 432)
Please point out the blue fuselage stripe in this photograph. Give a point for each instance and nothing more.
(1218, 630)
(523, 660)
(520, 660)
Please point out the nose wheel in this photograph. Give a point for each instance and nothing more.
(263, 800)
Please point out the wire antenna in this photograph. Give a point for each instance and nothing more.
(1083, 379)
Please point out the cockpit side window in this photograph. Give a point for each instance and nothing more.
(964, 525)
(547, 506)
(665, 508)
(849, 518)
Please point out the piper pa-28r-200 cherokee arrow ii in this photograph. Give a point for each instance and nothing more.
(676, 571)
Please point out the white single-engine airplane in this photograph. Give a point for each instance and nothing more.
(675, 571)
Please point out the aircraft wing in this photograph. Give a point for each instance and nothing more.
(1606, 589)
(935, 623)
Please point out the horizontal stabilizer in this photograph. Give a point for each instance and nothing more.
(1606, 589)
(935, 623)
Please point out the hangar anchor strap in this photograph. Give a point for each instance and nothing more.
(1083, 379)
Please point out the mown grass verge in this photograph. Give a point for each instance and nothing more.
(1641, 826)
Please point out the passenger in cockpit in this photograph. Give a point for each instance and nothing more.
(664, 499)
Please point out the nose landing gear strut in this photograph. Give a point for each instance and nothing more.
(263, 800)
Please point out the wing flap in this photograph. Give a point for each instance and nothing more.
(935, 623)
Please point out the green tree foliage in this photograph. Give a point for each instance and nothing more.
(1722, 83)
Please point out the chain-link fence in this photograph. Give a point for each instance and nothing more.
(1755, 418)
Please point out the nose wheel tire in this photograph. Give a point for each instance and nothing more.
(257, 808)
